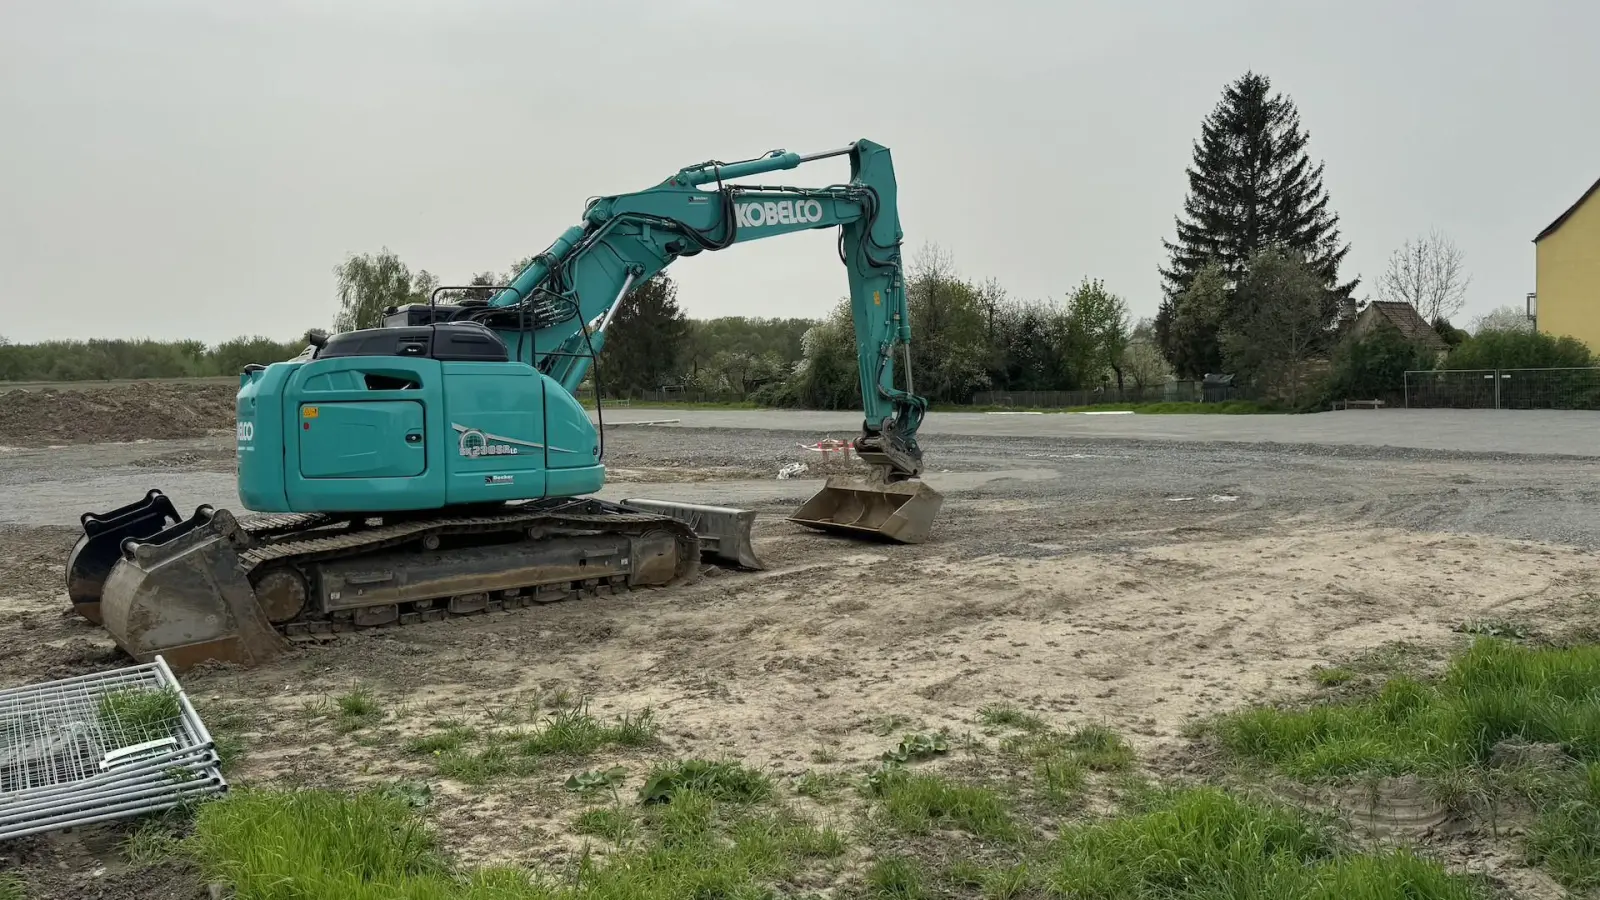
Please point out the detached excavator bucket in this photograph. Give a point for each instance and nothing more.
(181, 594)
(100, 546)
(901, 511)
(724, 532)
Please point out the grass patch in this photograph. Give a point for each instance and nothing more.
(917, 803)
(327, 845)
(896, 878)
(574, 733)
(1566, 836)
(448, 740)
(12, 888)
(1203, 843)
(614, 824)
(150, 845)
(724, 781)
(357, 709)
(1494, 691)
(135, 715)
(1091, 747)
(1007, 716)
(1466, 731)
(482, 765)
(1332, 676)
(819, 786)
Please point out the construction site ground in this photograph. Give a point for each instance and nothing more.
(1139, 573)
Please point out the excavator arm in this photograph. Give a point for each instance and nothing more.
(554, 314)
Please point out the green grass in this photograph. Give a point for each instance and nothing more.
(479, 766)
(357, 709)
(1447, 729)
(614, 824)
(12, 887)
(723, 781)
(1003, 715)
(1494, 691)
(135, 715)
(1566, 836)
(326, 845)
(1090, 747)
(896, 878)
(575, 733)
(477, 758)
(918, 803)
(151, 844)
(1332, 676)
(449, 740)
(1203, 843)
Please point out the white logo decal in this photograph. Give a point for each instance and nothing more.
(777, 212)
(474, 443)
(246, 432)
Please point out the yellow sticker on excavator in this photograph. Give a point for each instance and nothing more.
(310, 412)
(877, 298)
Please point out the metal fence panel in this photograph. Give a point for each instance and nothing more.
(1560, 388)
(100, 747)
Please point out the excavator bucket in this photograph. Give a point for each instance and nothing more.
(901, 511)
(724, 532)
(100, 546)
(181, 593)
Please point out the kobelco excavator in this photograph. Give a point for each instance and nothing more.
(442, 465)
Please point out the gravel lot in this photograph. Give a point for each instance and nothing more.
(1137, 572)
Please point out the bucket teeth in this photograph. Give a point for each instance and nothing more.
(901, 511)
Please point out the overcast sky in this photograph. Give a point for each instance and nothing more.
(196, 168)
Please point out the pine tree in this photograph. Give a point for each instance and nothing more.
(646, 340)
(1251, 186)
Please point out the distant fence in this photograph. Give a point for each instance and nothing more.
(1171, 392)
(1572, 388)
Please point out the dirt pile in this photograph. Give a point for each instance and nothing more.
(141, 411)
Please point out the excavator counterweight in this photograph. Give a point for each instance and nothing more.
(441, 465)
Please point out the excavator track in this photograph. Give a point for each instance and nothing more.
(300, 550)
(214, 587)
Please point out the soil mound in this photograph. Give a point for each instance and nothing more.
(131, 412)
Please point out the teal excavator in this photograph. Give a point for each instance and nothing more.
(442, 465)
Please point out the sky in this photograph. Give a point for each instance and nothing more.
(196, 169)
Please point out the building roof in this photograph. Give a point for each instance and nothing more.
(1404, 317)
(1561, 219)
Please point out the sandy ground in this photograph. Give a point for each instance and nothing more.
(1136, 584)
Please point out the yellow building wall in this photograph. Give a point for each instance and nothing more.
(1567, 276)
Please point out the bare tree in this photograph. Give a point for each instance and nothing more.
(1428, 273)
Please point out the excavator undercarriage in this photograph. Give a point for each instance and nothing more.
(238, 589)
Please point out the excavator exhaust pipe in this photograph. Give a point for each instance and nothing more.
(901, 511)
